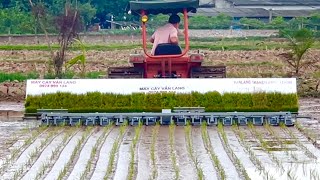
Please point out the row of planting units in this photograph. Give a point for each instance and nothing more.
(140, 102)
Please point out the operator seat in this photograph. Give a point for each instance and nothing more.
(167, 49)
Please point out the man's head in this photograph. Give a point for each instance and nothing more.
(174, 19)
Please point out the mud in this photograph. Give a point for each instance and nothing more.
(64, 157)
(84, 156)
(164, 164)
(187, 168)
(206, 164)
(144, 157)
(103, 159)
(239, 151)
(124, 156)
(227, 164)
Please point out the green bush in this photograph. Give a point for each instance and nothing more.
(139, 102)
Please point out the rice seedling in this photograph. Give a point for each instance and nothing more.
(132, 152)
(93, 153)
(235, 159)
(191, 153)
(173, 155)
(75, 151)
(265, 146)
(213, 156)
(155, 132)
(307, 152)
(114, 150)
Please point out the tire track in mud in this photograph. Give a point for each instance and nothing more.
(122, 166)
(266, 165)
(239, 151)
(164, 164)
(144, 158)
(19, 166)
(217, 146)
(64, 157)
(202, 155)
(187, 168)
(301, 165)
(306, 143)
(104, 155)
(301, 141)
(84, 155)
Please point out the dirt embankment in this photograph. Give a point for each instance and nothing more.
(12, 91)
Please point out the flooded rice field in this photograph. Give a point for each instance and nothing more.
(28, 151)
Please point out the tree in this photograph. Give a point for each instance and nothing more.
(251, 23)
(300, 43)
(278, 23)
(68, 25)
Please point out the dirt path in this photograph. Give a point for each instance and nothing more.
(84, 156)
(164, 164)
(227, 164)
(241, 154)
(102, 163)
(144, 158)
(64, 157)
(187, 169)
(124, 155)
(205, 161)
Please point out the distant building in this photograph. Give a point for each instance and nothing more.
(270, 4)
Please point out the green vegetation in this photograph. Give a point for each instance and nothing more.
(140, 102)
(17, 76)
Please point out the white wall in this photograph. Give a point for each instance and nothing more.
(206, 2)
(222, 4)
(283, 7)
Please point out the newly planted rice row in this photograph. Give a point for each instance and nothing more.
(94, 152)
(235, 159)
(173, 156)
(253, 157)
(265, 147)
(77, 149)
(16, 152)
(191, 152)
(155, 132)
(178, 153)
(114, 151)
(47, 163)
(214, 157)
(133, 150)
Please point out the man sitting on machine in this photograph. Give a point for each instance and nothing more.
(165, 38)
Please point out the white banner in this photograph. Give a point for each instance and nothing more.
(128, 86)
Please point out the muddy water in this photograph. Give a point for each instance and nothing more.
(44, 158)
(124, 156)
(144, 157)
(227, 164)
(164, 164)
(24, 157)
(269, 166)
(84, 156)
(102, 163)
(187, 168)
(206, 164)
(239, 151)
(64, 157)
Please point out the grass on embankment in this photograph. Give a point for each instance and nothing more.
(194, 45)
